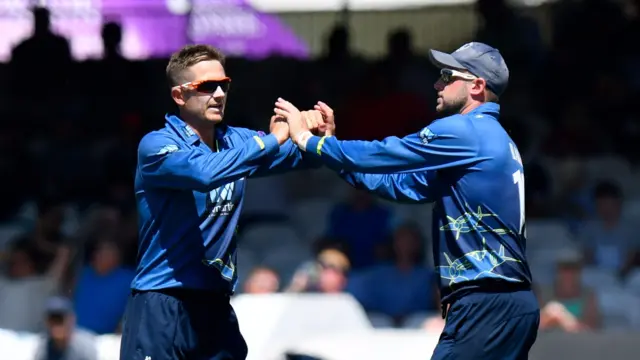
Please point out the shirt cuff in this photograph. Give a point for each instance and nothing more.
(268, 143)
(312, 145)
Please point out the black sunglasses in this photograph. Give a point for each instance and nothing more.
(449, 75)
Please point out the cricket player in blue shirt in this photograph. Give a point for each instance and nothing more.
(189, 187)
(467, 165)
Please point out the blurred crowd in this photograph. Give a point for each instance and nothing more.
(68, 226)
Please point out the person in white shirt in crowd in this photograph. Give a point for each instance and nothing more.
(25, 287)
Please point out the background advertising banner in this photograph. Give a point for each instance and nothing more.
(154, 28)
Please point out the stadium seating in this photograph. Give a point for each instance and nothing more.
(612, 168)
(285, 259)
(380, 321)
(310, 218)
(265, 196)
(599, 279)
(619, 309)
(633, 282)
(260, 239)
(632, 209)
(416, 321)
(8, 233)
(546, 241)
(247, 260)
(547, 234)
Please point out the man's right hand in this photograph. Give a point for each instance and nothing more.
(329, 126)
(314, 120)
(279, 128)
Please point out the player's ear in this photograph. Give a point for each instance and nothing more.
(478, 86)
(178, 96)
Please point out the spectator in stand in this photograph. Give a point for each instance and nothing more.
(403, 287)
(262, 280)
(338, 71)
(43, 40)
(62, 340)
(569, 305)
(369, 111)
(327, 275)
(363, 225)
(26, 286)
(517, 36)
(410, 70)
(574, 125)
(575, 202)
(48, 235)
(609, 241)
(102, 289)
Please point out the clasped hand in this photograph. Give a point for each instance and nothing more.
(288, 121)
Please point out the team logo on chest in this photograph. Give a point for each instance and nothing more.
(220, 200)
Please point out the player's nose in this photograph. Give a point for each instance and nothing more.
(219, 93)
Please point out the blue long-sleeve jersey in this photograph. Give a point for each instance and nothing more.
(471, 169)
(189, 199)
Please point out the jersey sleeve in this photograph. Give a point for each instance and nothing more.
(289, 157)
(405, 187)
(446, 143)
(165, 163)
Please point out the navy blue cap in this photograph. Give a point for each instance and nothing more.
(58, 305)
(480, 60)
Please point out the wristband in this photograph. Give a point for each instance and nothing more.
(302, 139)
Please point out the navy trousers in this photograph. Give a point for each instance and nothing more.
(181, 325)
(490, 326)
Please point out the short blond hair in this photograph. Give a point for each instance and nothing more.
(188, 56)
(334, 258)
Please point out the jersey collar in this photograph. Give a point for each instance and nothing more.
(185, 131)
(490, 108)
(181, 128)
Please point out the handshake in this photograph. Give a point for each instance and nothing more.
(289, 122)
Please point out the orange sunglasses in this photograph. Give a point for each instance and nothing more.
(208, 86)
